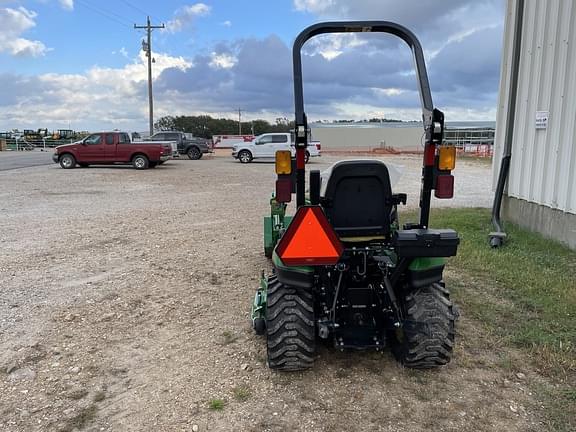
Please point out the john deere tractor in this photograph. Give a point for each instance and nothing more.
(345, 271)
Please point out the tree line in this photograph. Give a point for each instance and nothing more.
(205, 126)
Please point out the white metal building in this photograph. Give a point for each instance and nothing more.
(541, 190)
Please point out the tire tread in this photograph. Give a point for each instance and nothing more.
(290, 327)
(430, 305)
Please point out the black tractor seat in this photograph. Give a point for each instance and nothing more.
(358, 200)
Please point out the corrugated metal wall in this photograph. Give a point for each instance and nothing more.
(543, 165)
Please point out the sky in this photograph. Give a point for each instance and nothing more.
(79, 63)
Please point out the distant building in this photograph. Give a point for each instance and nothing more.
(541, 189)
(400, 136)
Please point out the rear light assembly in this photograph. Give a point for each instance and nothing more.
(318, 146)
(283, 162)
(284, 189)
(429, 155)
(446, 158)
(444, 186)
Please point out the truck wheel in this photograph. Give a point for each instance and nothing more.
(194, 153)
(290, 327)
(307, 157)
(67, 161)
(431, 306)
(245, 156)
(140, 162)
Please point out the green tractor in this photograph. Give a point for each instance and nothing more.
(344, 271)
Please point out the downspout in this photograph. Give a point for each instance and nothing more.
(497, 237)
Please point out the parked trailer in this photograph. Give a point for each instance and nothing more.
(228, 141)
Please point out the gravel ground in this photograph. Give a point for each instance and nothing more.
(125, 301)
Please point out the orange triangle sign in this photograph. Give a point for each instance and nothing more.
(309, 240)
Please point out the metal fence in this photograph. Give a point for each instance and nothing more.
(20, 144)
(462, 137)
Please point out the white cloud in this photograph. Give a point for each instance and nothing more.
(222, 61)
(184, 16)
(98, 98)
(13, 23)
(227, 23)
(122, 51)
(67, 4)
(313, 6)
(389, 91)
(332, 46)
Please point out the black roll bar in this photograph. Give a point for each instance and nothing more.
(433, 119)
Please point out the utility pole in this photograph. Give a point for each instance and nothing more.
(239, 121)
(147, 47)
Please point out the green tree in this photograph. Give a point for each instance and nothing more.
(205, 126)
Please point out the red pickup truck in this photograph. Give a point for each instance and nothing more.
(106, 148)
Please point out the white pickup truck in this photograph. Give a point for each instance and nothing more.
(266, 145)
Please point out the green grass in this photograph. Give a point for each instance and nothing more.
(524, 294)
(216, 404)
(530, 284)
(242, 393)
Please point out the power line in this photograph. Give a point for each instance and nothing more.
(106, 14)
(136, 8)
(107, 11)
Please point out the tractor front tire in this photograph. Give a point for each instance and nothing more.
(290, 327)
(431, 306)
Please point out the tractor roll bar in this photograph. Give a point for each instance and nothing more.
(433, 119)
(362, 27)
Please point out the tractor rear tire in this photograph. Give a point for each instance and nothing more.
(290, 327)
(429, 305)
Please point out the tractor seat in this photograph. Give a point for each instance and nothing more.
(358, 199)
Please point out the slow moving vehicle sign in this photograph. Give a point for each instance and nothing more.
(309, 240)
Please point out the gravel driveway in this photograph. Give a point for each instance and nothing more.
(125, 300)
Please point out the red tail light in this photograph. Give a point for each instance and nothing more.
(429, 154)
(318, 147)
(284, 189)
(444, 186)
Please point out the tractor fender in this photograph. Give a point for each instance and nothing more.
(425, 271)
(296, 276)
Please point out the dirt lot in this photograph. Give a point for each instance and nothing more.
(125, 301)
